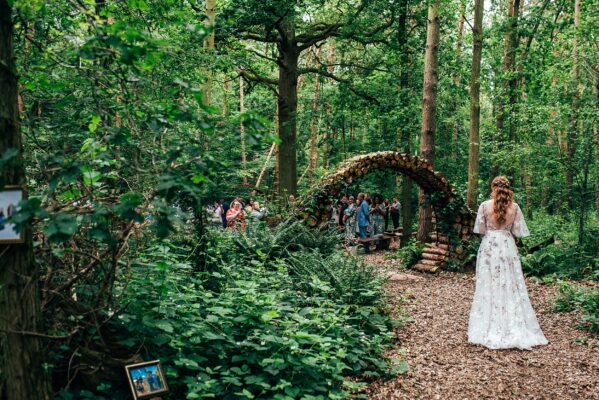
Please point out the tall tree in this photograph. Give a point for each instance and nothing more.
(429, 113)
(474, 145)
(509, 80)
(242, 132)
(20, 317)
(452, 106)
(209, 46)
(293, 32)
(573, 129)
(313, 160)
(404, 127)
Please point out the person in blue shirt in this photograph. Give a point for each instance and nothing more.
(363, 219)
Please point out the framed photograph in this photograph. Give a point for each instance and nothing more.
(146, 379)
(10, 197)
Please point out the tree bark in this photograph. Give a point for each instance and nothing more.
(474, 145)
(312, 161)
(209, 47)
(22, 358)
(287, 101)
(573, 130)
(404, 126)
(242, 133)
(225, 91)
(429, 104)
(456, 81)
(327, 134)
(508, 81)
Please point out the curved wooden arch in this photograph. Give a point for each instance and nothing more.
(454, 220)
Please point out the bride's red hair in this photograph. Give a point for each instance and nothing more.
(502, 197)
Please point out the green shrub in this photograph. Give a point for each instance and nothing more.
(279, 315)
(409, 254)
(583, 299)
(567, 257)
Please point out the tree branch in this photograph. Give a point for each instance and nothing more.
(340, 80)
(258, 38)
(261, 55)
(325, 31)
(254, 77)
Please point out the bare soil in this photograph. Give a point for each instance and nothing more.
(443, 365)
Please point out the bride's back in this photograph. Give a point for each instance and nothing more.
(491, 219)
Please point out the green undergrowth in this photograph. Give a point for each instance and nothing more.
(278, 315)
(583, 299)
(568, 257)
(409, 254)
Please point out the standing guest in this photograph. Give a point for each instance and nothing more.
(342, 207)
(225, 206)
(363, 220)
(334, 220)
(387, 213)
(291, 202)
(247, 216)
(377, 216)
(235, 218)
(349, 220)
(217, 213)
(358, 203)
(395, 211)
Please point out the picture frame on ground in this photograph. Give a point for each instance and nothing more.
(10, 197)
(146, 379)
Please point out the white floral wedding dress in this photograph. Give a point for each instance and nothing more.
(501, 316)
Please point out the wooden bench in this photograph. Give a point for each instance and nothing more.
(381, 242)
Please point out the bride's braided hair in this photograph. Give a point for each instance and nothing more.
(502, 197)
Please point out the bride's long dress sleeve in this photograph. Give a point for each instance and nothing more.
(501, 316)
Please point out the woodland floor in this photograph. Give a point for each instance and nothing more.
(443, 365)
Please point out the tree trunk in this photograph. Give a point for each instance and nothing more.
(508, 81)
(225, 91)
(573, 130)
(275, 183)
(327, 135)
(242, 133)
(404, 126)
(287, 101)
(456, 81)
(22, 358)
(474, 146)
(528, 185)
(312, 161)
(209, 47)
(429, 104)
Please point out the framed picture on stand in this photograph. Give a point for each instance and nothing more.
(146, 379)
(10, 196)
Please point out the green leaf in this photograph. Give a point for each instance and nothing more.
(93, 125)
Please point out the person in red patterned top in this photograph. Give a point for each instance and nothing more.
(235, 216)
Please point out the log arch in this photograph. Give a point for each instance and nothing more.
(454, 220)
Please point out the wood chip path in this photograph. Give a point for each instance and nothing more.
(444, 366)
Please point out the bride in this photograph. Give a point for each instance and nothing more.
(501, 316)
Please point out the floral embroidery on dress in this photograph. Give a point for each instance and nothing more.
(501, 315)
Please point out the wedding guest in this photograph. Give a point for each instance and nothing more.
(395, 212)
